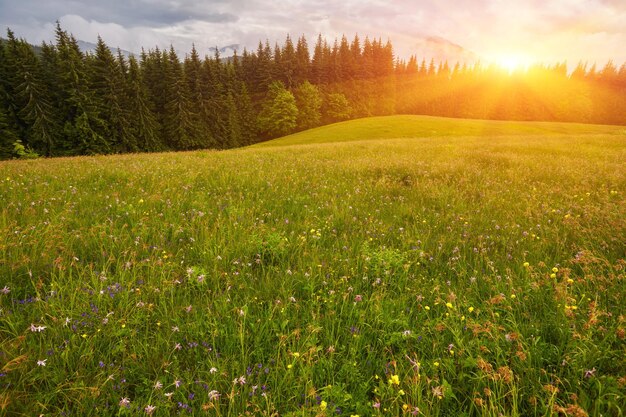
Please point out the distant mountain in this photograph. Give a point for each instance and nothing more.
(441, 49)
(226, 51)
(88, 47)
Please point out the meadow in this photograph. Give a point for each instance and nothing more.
(401, 266)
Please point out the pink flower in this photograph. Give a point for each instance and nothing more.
(149, 409)
(358, 298)
(125, 402)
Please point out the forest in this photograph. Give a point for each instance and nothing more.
(58, 101)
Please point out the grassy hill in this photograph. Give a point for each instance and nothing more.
(390, 127)
(473, 275)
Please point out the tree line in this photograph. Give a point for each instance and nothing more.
(59, 101)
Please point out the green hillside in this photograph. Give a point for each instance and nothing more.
(472, 275)
(408, 126)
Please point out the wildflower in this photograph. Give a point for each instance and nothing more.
(401, 392)
(169, 394)
(177, 346)
(178, 383)
(376, 405)
(175, 329)
(553, 275)
(427, 308)
(513, 296)
(590, 372)
(526, 264)
(438, 391)
(436, 364)
(358, 298)
(213, 370)
(41, 362)
(555, 269)
(406, 333)
(188, 308)
(5, 290)
(471, 309)
(213, 395)
(394, 380)
(149, 409)
(158, 385)
(37, 329)
(296, 354)
(449, 305)
(125, 402)
(323, 405)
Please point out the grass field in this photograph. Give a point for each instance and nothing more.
(381, 270)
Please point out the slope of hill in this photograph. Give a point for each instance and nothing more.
(439, 276)
(408, 126)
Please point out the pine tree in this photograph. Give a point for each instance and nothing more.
(43, 129)
(84, 130)
(108, 83)
(198, 86)
(7, 135)
(181, 133)
(288, 64)
(143, 123)
(303, 62)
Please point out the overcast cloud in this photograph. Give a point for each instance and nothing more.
(546, 30)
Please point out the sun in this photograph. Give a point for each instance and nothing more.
(512, 62)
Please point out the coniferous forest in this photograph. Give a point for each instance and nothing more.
(57, 101)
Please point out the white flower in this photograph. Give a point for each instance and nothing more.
(41, 362)
(125, 402)
(5, 290)
(213, 370)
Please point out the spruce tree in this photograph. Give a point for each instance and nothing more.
(85, 132)
(143, 123)
(108, 83)
(180, 129)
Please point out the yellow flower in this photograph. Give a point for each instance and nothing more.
(401, 392)
(470, 309)
(449, 305)
(555, 269)
(436, 363)
(394, 380)
(426, 308)
(552, 275)
(289, 366)
(526, 264)
(323, 405)
(296, 354)
(405, 407)
(513, 296)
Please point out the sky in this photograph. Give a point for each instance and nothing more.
(505, 31)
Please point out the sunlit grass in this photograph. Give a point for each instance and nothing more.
(473, 275)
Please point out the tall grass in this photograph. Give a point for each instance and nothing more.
(478, 276)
